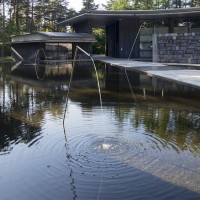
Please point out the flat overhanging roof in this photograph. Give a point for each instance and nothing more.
(50, 37)
(103, 18)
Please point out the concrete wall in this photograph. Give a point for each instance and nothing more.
(112, 40)
(25, 51)
(128, 30)
(120, 37)
(84, 27)
(177, 48)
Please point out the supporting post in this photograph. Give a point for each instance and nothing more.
(3, 29)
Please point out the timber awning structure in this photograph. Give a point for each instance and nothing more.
(56, 45)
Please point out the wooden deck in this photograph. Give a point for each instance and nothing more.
(186, 74)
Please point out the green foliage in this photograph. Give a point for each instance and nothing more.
(89, 5)
(118, 5)
(142, 5)
(99, 46)
(50, 12)
(149, 4)
(35, 15)
(7, 51)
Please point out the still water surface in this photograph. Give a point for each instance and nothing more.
(148, 150)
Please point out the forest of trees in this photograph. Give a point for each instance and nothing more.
(149, 4)
(26, 16)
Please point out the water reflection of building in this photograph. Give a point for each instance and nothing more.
(52, 70)
(23, 107)
(142, 83)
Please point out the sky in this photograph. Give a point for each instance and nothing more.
(77, 4)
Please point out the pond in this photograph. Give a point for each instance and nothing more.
(146, 147)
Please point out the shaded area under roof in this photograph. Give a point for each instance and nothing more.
(53, 37)
(103, 18)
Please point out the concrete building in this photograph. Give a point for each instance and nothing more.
(170, 35)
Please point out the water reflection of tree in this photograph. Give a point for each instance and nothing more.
(23, 110)
(177, 128)
(14, 123)
(15, 131)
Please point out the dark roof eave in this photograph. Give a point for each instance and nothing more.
(45, 37)
(55, 41)
(141, 14)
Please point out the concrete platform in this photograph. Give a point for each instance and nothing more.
(124, 62)
(187, 77)
(184, 74)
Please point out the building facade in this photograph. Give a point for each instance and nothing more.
(145, 34)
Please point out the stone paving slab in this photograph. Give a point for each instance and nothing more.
(189, 77)
(124, 62)
(179, 73)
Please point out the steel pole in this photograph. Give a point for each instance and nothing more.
(3, 30)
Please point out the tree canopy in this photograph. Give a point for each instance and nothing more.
(149, 4)
(89, 5)
(118, 5)
(34, 15)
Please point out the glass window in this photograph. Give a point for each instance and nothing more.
(58, 51)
